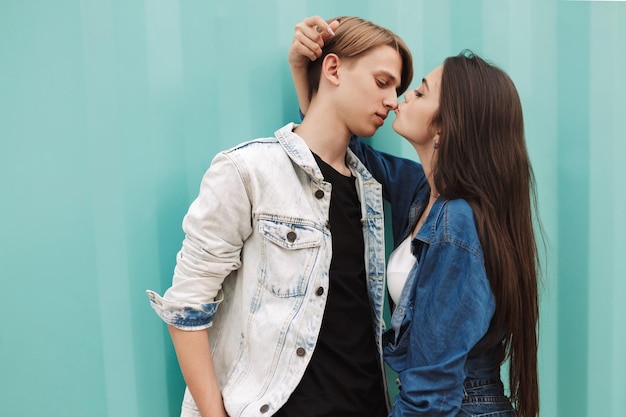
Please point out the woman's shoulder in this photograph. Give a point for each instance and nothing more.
(457, 224)
(458, 211)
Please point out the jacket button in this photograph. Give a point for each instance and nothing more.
(291, 236)
(320, 291)
(300, 351)
(264, 408)
(319, 194)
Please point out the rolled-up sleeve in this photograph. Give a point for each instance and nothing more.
(182, 315)
(216, 226)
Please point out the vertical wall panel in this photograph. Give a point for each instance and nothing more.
(539, 93)
(50, 316)
(617, 236)
(111, 110)
(602, 208)
(573, 205)
(606, 333)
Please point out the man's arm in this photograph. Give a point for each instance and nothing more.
(216, 226)
(196, 363)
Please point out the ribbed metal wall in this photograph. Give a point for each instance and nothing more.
(111, 110)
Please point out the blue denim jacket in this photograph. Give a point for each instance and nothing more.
(256, 251)
(440, 342)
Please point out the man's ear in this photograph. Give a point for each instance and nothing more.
(330, 68)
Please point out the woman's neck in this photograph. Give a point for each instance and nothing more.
(426, 155)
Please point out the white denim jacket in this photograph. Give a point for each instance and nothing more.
(257, 245)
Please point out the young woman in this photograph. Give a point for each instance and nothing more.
(463, 275)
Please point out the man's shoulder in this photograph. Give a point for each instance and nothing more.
(253, 146)
(257, 157)
(254, 152)
(258, 145)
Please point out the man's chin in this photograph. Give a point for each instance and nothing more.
(366, 133)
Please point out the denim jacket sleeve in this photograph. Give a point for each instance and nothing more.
(216, 225)
(452, 306)
(402, 179)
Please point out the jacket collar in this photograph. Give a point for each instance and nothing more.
(295, 147)
(427, 231)
(300, 154)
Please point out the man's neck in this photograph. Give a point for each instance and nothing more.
(326, 136)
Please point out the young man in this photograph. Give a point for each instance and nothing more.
(286, 237)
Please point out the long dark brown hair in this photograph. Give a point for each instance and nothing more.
(482, 158)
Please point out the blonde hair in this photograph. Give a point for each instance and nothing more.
(355, 37)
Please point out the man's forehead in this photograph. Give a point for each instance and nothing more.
(385, 61)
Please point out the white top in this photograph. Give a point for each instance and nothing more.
(400, 263)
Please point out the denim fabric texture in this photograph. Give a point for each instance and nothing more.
(440, 338)
(256, 251)
(485, 398)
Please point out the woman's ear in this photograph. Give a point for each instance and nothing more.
(435, 131)
(330, 68)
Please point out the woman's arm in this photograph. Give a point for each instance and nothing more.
(308, 40)
(400, 177)
(403, 180)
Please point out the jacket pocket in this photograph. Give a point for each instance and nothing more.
(289, 251)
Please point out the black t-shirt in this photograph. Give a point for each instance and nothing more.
(344, 378)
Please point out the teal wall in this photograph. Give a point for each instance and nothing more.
(111, 110)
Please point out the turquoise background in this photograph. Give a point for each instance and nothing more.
(111, 110)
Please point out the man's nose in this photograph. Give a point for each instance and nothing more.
(391, 102)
